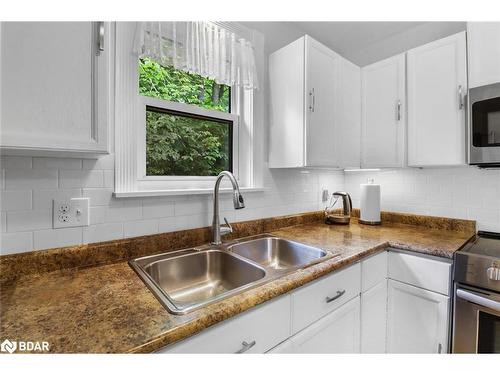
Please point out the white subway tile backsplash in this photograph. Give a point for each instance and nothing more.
(157, 208)
(196, 205)
(24, 179)
(109, 179)
(42, 199)
(98, 197)
(102, 232)
(57, 163)
(104, 162)
(46, 239)
(3, 221)
(15, 200)
(459, 192)
(19, 242)
(19, 221)
(97, 215)
(16, 162)
(140, 228)
(80, 178)
(126, 210)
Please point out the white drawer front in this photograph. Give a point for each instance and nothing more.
(266, 325)
(419, 271)
(373, 270)
(309, 303)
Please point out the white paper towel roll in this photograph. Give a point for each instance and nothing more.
(370, 203)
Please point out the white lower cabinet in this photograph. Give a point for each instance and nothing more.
(391, 302)
(374, 319)
(255, 331)
(338, 332)
(417, 320)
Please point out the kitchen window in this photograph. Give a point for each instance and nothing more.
(189, 129)
(176, 130)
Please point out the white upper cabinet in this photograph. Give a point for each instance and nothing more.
(348, 115)
(383, 113)
(306, 92)
(483, 45)
(322, 74)
(437, 86)
(54, 82)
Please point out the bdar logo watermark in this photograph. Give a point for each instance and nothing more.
(24, 346)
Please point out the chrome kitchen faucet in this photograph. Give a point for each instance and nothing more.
(218, 230)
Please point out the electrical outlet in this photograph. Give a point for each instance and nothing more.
(72, 213)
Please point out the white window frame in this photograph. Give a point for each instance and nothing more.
(130, 131)
(146, 182)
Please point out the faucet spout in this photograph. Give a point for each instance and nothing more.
(217, 230)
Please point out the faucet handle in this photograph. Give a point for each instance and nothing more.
(227, 229)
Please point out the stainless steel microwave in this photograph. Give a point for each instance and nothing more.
(484, 126)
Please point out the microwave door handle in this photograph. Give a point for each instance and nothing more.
(478, 299)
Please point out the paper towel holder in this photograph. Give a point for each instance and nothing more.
(369, 222)
(343, 218)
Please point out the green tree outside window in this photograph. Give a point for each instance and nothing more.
(178, 145)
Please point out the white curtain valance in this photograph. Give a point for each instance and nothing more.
(202, 48)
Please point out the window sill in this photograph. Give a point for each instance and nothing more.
(180, 192)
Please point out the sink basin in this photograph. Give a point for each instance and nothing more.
(277, 253)
(192, 280)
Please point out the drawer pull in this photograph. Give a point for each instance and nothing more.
(339, 294)
(246, 346)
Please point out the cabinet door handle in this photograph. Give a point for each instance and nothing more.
(312, 100)
(100, 37)
(337, 296)
(398, 110)
(461, 103)
(246, 346)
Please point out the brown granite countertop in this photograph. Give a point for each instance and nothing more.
(108, 309)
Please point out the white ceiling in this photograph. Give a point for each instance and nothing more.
(360, 42)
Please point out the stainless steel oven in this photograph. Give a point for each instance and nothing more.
(484, 125)
(477, 319)
(476, 310)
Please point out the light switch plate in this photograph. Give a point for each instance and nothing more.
(70, 213)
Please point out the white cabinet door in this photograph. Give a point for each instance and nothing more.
(54, 87)
(437, 85)
(483, 46)
(255, 331)
(338, 332)
(348, 116)
(322, 76)
(383, 113)
(374, 318)
(314, 107)
(286, 107)
(417, 320)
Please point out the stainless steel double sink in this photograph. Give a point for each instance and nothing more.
(186, 280)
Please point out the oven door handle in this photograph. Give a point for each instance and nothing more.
(478, 299)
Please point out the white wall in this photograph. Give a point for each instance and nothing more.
(462, 192)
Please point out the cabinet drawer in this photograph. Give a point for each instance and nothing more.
(265, 325)
(309, 303)
(373, 271)
(423, 272)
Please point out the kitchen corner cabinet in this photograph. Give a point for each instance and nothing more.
(437, 88)
(483, 46)
(306, 94)
(55, 84)
(383, 113)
